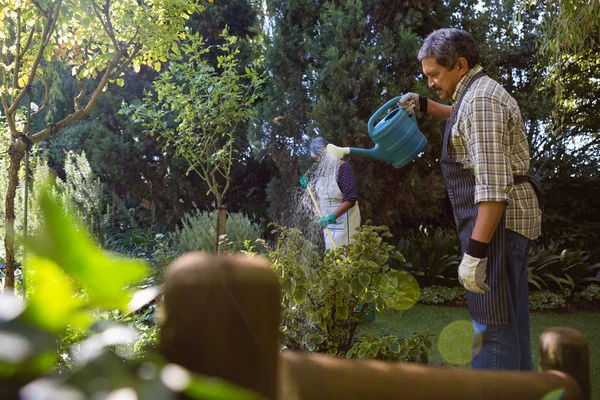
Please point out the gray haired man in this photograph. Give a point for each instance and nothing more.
(485, 159)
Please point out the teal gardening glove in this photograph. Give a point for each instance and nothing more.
(304, 182)
(326, 220)
(472, 274)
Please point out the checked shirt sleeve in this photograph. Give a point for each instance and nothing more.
(347, 183)
(488, 143)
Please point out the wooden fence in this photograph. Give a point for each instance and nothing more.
(221, 318)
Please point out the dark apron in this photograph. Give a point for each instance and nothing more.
(492, 306)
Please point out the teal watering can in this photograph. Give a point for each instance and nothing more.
(397, 137)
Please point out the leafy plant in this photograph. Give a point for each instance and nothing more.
(391, 348)
(75, 292)
(321, 296)
(556, 268)
(226, 97)
(441, 294)
(83, 190)
(97, 42)
(546, 300)
(590, 293)
(431, 256)
(197, 232)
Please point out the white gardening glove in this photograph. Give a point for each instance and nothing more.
(409, 103)
(472, 274)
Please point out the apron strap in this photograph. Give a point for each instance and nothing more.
(535, 183)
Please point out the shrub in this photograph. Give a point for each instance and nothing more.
(432, 257)
(198, 232)
(441, 294)
(73, 288)
(546, 300)
(590, 293)
(554, 268)
(391, 348)
(321, 296)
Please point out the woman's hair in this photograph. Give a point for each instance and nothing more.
(448, 45)
(318, 146)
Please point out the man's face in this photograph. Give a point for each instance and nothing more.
(440, 78)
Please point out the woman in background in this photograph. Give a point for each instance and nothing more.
(335, 187)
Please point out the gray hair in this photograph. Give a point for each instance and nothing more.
(318, 146)
(448, 45)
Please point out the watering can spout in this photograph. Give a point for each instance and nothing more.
(376, 152)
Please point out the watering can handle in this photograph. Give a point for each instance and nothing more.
(380, 112)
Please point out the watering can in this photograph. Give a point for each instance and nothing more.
(397, 137)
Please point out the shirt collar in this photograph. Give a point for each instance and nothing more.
(462, 84)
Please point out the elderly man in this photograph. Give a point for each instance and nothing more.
(484, 161)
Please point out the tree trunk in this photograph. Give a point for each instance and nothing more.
(9, 239)
(221, 228)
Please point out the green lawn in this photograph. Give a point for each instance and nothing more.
(452, 327)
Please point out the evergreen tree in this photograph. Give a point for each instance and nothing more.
(333, 64)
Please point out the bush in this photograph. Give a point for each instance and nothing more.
(556, 269)
(546, 300)
(590, 293)
(76, 293)
(321, 296)
(415, 348)
(441, 294)
(432, 257)
(198, 232)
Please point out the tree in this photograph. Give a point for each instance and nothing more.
(206, 105)
(332, 65)
(97, 39)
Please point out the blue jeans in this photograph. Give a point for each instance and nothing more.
(508, 346)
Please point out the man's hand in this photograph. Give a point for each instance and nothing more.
(412, 102)
(326, 220)
(472, 274)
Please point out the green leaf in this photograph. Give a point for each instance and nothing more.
(104, 275)
(51, 300)
(370, 296)
(403, 352)
(364, 280)
(356, 286)
(395, 347)
(346, 288)
(554, 395)
(342, 311)
(300, 296)
(213, 388)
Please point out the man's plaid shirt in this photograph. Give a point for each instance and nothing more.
(489, 139)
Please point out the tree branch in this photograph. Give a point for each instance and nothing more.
(124, 64)
(29, 39)
(107, 25)
(46, 99)
(48, 29)
(17, 52)
(51, 129)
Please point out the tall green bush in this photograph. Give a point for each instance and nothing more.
(83, 191)
(197, 232)
(321, 296)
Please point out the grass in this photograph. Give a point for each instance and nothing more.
(452, 327)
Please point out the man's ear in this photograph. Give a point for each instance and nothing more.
(463, 66)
